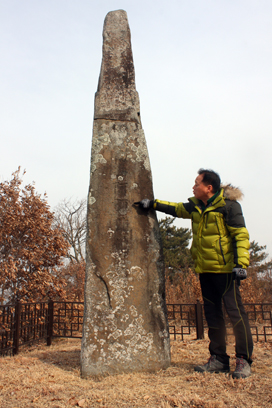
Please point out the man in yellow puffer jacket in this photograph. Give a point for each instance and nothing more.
(220, 249)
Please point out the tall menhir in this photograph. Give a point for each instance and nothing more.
(125, 323)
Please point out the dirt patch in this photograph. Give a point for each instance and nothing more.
(50, 377)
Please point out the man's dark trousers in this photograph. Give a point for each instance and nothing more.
(215, 288)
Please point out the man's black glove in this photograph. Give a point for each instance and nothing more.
(146, 204)
(240, 274)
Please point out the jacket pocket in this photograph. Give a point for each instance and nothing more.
(219, 251)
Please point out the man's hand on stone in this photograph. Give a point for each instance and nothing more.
(146, 204)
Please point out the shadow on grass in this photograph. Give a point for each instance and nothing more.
(60, 354)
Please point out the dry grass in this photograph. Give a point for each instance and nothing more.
(50, 377)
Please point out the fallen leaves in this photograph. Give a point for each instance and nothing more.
(48, 385)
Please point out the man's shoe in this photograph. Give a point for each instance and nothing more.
(213, 366)
(242, 369)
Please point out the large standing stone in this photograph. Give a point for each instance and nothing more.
(125, 323)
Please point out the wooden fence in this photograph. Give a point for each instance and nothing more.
(23, 324)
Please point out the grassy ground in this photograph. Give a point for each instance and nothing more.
(50, 377)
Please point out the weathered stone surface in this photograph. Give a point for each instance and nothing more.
(125, 324)
(116, 97)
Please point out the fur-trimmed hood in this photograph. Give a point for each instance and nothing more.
(232, 193)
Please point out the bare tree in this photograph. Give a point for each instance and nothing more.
(70, 216)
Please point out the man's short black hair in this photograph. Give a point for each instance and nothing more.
(212, 178)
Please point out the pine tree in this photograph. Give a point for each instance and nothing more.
(182, 283)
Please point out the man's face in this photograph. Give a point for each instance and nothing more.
(202, 191)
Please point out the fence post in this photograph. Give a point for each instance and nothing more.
(199, 320)
(17, 325)
(50, 322)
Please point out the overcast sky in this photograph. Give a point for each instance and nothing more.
(204, 77)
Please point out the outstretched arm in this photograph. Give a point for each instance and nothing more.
(175, 209)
